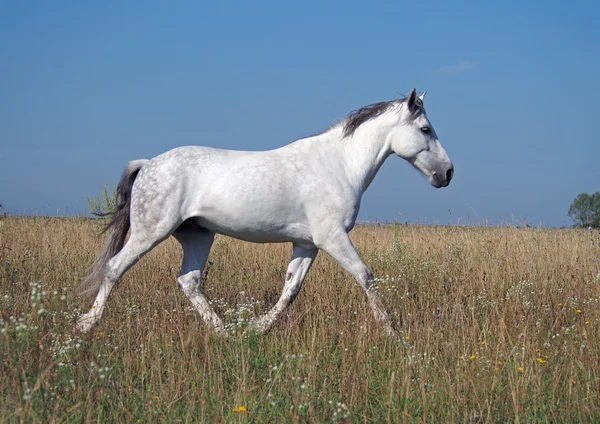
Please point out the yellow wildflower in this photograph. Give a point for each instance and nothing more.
(473, 357)
(578, 311)
(483, 342)
(541, 360)
(241, 408)
(520, 369)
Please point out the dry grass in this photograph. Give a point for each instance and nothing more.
(495, 324)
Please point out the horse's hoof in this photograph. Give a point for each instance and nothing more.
(388, 330)
(84, 324)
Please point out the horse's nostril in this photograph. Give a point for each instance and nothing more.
(449, 174)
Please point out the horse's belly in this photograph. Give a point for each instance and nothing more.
(261, 231)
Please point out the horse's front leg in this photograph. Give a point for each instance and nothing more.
(302, 259)
(340, 247)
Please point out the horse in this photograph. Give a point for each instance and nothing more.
(307, 192)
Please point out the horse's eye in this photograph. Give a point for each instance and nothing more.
(426, 130)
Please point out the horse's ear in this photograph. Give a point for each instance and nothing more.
(422, 96)
(411, 99)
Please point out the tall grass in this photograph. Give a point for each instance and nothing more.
(494, 324)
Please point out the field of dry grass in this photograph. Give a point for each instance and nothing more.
(494, 324)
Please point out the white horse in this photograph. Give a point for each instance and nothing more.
(307, 192)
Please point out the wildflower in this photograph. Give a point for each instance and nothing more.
(560, 305)
(541, 360)
(241, 408)
(500, 363)
(473, 357)
(520, 369)
(578, 311)
(483, 342)
(587, 323)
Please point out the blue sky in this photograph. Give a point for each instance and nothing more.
(513, 93)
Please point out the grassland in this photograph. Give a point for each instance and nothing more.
(494, 325)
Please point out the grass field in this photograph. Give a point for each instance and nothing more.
(494, 325)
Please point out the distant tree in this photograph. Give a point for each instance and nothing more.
(103, 203)
(585, 210)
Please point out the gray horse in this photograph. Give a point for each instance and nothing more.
(307, 192)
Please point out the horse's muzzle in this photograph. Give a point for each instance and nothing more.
(442, 179)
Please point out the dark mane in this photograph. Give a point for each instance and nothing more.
(358, 117)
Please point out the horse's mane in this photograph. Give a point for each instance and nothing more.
(359, 116)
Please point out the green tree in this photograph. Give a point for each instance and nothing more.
(585, 210)
(104, 203)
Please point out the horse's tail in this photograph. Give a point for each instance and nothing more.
(119, 223)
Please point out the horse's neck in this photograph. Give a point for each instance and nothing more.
(361, 154)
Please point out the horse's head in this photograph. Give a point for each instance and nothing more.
(415, 140)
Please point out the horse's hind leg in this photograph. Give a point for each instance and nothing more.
(302, 259)
(132, 252)
(196, 244)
